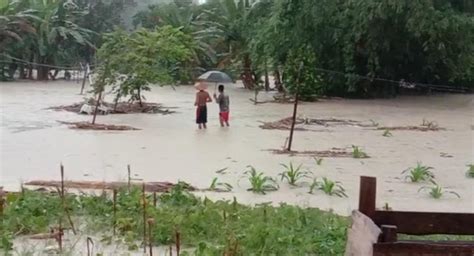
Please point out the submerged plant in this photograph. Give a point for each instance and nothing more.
(219, 186)
(470, 171)
(357, 152)
(387, 133)
(260, 183)
(292, 174)
(419, 173)
(436, 191)
(319, 160)
(329, 187)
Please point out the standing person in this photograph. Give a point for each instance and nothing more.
(223, 101)
(202, 98)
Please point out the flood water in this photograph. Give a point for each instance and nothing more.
(171, 148)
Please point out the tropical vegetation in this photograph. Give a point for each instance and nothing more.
(345, 46)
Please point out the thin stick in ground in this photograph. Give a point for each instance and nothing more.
(114, 198)
(144, 218)
(295, 108)
(63, 199)
(150, 243)
(129, 177)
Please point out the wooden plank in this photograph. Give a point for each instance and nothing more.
(389, 234)
(367, 195)
(423, 248)
(427, 223)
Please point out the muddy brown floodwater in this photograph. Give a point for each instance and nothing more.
(170, 148)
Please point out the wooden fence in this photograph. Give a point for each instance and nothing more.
(393, 223)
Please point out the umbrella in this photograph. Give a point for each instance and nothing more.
(215, 77)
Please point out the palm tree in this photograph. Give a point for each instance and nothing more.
(14, 23)
(227, 24)
(56, 32)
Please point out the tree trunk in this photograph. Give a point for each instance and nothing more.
(140, 97)
(267, 80)
(247, 77)
(43, 73)
(22, 72)
(278, 83)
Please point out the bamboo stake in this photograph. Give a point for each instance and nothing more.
(115, 210)
(129, 177)
(150, 226)
(59, 239)
(144, 218)
(63, 199)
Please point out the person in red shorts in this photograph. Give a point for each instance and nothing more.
(223, 100)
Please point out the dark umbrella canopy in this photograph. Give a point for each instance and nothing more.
(215, 77)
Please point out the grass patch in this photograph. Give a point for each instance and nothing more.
(209, 228)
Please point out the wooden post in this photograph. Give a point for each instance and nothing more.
(86, 72)
(295, 107)
(389, 234)
(367, 195)
(154, 199)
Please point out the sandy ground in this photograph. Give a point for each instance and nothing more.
(170, 148)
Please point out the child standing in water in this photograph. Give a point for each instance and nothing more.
(202, 98)
(223, 101)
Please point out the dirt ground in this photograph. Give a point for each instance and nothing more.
(171, 148)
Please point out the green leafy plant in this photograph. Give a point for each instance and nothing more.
(357, 152)
(329, 187)
(436, 191)
(319, 160)
(470, 171)
(387, 133)
(292, 174)
(260, 183)
(419, 173)
(220, 186)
